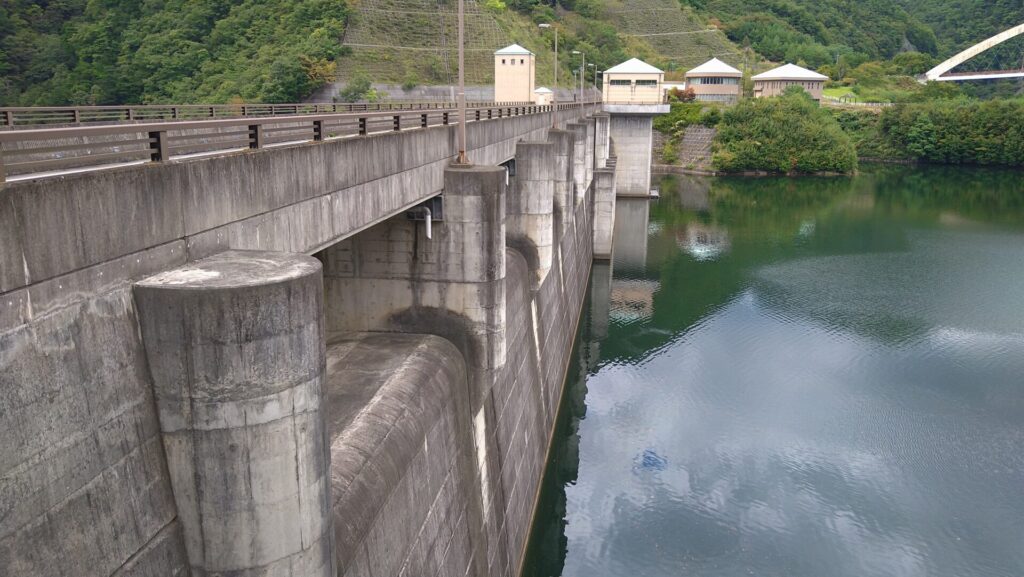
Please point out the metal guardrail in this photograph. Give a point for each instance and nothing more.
(41, 151)
(14, 117)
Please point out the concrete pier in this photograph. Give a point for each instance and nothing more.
(530, 218)
(602, 125)
(235, 346)
(631, 128)
(604, 212)
(565, 144)
(579, 159)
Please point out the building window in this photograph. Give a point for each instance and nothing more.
(620, 82)
(646, 82)
(513, 62)
(502, 60)
(522, 61)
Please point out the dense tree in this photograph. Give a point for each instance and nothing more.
(786, 134)
(116, 51)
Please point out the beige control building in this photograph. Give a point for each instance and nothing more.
(715, 81)
(543, 96)
(633, 82)
(514, 73)
(776, 81)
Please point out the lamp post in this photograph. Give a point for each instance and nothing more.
(594, 77)
(462, 158)
(583, 68)
(554, 92)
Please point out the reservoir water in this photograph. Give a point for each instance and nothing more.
(817, 377)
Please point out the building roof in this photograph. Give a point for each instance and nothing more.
(714, 67)
(542, 90)
(633, 66)
(513, 49)
(790, 72)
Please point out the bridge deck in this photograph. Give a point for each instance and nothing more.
(43, 152)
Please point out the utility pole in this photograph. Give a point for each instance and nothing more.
(462, 158)
(554, 93)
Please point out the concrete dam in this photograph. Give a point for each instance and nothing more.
(336, 357)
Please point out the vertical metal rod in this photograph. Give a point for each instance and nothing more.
(554, 96)
(462, 158)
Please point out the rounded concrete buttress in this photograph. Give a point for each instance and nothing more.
(236, 352)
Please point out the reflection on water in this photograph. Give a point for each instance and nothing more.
(798, 377)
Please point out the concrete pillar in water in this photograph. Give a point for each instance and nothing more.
(632, 134)
(530, 220)
(604, 212)
(564, 142)
(601, 131)
(579, 160)
(236, 351)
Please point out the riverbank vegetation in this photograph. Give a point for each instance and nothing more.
(789, 134)
(957, 131)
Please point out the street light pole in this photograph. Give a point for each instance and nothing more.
(462, 158)
(583, 68)
(554, 93)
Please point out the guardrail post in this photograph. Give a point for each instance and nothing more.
(423, 121)
(362, 126)
(131, 113)
(444, 118)
(159, 146)
(9, 117)
(78, 116)
(174, 112)
(255, 136)
(318, 130)
(477, 113)
(398, 122)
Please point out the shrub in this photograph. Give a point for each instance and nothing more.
(787, 134)
(358, 88)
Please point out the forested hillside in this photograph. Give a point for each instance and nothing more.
(148, 51)
(820, 31)
(962, 23)
(117, 51)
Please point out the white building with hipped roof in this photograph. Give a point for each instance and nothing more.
(776, 81)
(715, 81)
(633, 82)
(514, 73)
(543, 96)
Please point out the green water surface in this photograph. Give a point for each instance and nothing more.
(815, 377)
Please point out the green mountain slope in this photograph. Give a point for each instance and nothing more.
(130, 51)
(117, 51)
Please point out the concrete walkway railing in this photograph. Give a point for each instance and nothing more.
(53, 151)
(32, 116)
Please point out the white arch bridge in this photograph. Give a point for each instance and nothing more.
(942, 72)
